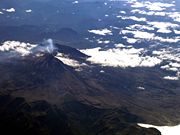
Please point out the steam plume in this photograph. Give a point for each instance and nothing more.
(46, 46)
(49, 45)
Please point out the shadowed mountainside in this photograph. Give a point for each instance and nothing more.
(74, 118)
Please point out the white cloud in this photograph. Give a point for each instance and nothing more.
(10, 10)
(121, 57)
(142, 19)
(168, 54)
(131, 40)
(137, 4)
(171, 78)
(102, 71)
(124, 56)
(175, 16)
(164, 31)
(122, 12)
(172, 58)
(155, 6)
(165, 67)
(75, 2)
(103, 41)
(159, 13)
(150, 13)
(150, 36)
(28, 11)
(169, 68)
(141, 88)
(165, 130)
(120, 45)
(16, 46)
(139, 34)
(163, 27)
(139, 27)
(177, 65)
(102, 32)
(177, 31)
(167, 40)
(152, 6)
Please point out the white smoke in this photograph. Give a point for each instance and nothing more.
(49, 45)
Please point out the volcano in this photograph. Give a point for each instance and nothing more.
(42, 88)
(39, 75)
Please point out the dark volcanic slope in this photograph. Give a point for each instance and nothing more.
(44, 77)
(93, 102)
(35, 118)
(58, 99)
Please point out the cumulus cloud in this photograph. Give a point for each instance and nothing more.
(167, 40)
(165, 130)
(28, 11)
(103, 41)
(156, 9)
(177, 65)
(177, 31)
(142, 19)
(130, 40)
(152, 6)
(141, 88)
(127, 56)
(163, 27)
(122, 12)
(171, 54)
(150, 13)
(172, 58)
(10, 10)
(139, 34)
(75, 2)
(139, 27)
(118, 57)
(18, 47)
(102, 32)
(119, 45)
(175, 16)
